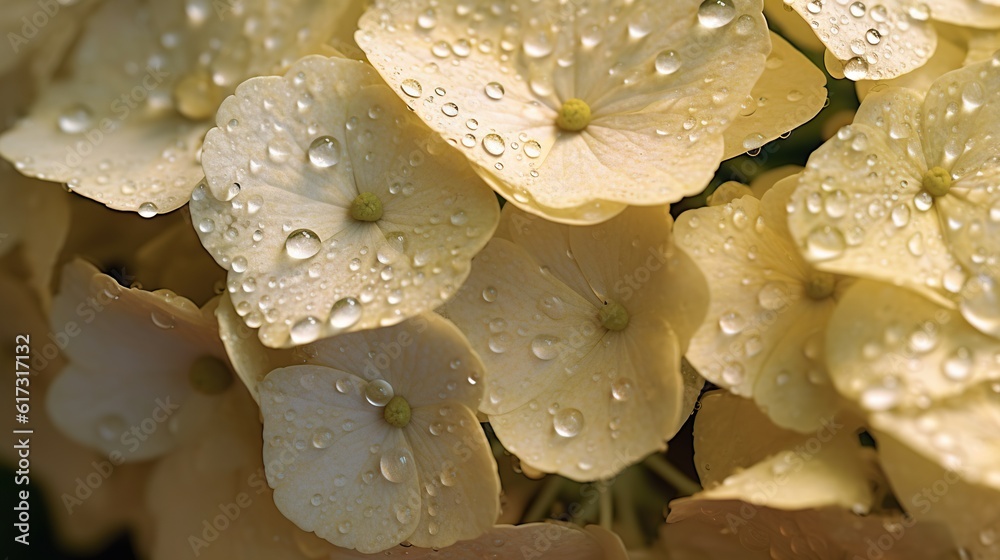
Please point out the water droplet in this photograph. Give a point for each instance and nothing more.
(450, 109)
(378, 392)
(621, 389)
(75, 119)
(856, 69)
(324, 151)
(411, 87)
(879, 398)
(716, 13)
(873, 36)
(302, 244)
(533, 149)
(316, 500)
(545, 347)
(857, 9)
(322, 439)
(824, 243)
(111, 427)
(494, 90)
(345, 313)
(568, 422)
(732, 323)
(493, 144)
(490, 294)
(148, 210)
(427, 19)
(396, 465)
(667, 62)
(958, 365)
(773, 296)
(305, 331)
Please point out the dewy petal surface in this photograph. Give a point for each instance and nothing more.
(763, 335)
(662, 85)
(125, 126)
(281, 184)
(102, 399)
(565, 392)
(340, 469)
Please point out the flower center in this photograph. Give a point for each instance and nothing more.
(937, 181)
(819, 285)
(366, 207)
(397, 412)
(613, 316)
(574, 115)
(210, 376)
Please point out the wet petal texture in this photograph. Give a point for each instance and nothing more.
(124, 127)
(500, 81)
(129, 401)
(347, 464)
(919, 177)
(333, 208)
(581, 330)
(763, 335)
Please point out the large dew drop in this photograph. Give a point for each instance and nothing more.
(324, 151)
(545, 347)
(75, 119)
(716, 13)
(379, 392)
(568, 422)
(302, 244)
(396, 465)
(345, 313)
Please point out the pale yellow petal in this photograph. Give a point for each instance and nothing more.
(947, 57)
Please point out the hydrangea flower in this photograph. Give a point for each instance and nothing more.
(89, 500)
(890, 38)
(332, 207)
(125, 125)
(771, 493)
(582, 331)
(560, 105)
(764, 331)
(143, 366)
(909, 193)
(923, 374)
(376, 442)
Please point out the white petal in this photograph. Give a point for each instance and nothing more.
(352, 275)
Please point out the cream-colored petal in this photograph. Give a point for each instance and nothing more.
(459, 484)
(551, 540)
(727, 192)
(793, 92)
(859, 208)
(324, 445)
(527, 325)
(947, 57)
(631, 260)
(36, 217)
(767, 179)
(125, 126)
(731, 434)
(617, 404)
(970, 13)
(510, 135)
(39, 32)
(341, 274)
(982, 46)
(932, 494)
(251, 360)
(762, 337)
(121, 401)
(878, 41)
(783, 19)
(956, 119)
(83, 518)
(699, 529)
(889, 347)
(207, 508)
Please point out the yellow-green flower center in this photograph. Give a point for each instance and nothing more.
(397, 412)
(209, 375)
(820, 285)
(937, 181)
(574, 115)
(613, 316)
(367, 207)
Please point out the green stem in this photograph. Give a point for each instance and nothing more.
(542, 504)
(625, 508)
(671, 474)
(607, 507)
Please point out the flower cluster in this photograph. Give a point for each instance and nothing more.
(443, 278)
